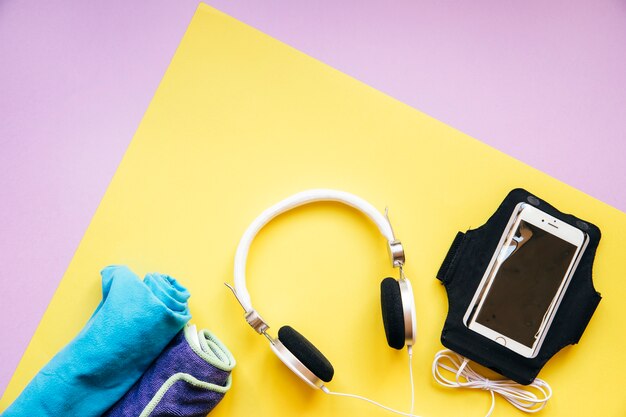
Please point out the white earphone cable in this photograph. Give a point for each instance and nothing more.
(410, 350)
(524, 398)
(358, 397)
(520, 396)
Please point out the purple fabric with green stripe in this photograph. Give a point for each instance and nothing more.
(186, 380)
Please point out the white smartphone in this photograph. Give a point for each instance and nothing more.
(525, 281)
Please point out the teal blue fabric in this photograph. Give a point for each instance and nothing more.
(132, 325)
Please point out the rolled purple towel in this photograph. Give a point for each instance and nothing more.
(188, 379)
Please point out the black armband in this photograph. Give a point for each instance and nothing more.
(463, 269)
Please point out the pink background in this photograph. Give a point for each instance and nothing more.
(542, 81)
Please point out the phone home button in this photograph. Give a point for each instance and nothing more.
(501, 340)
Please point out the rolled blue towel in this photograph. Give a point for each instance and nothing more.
(188, 379)
(132, 325)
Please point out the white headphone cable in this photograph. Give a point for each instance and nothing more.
(520, 396)
(358, 397)
(410, 350)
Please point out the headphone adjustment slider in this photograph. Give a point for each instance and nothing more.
(255, 320)
(396, 253)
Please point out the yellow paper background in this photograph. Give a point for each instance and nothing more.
(241, 121)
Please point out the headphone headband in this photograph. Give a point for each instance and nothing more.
(305, 197)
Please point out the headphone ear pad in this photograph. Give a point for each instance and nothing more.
(393, 315)
(306, 353)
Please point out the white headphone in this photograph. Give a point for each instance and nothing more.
(293, 349)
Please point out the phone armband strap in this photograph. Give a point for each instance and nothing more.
(462, 271)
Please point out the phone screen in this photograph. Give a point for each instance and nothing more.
(531, 269)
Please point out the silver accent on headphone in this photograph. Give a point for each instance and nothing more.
(408, 309)
(253, 318)
(396, 253)
(394, 247)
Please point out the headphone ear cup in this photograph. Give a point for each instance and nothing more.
(306, 353)
(393, 315)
